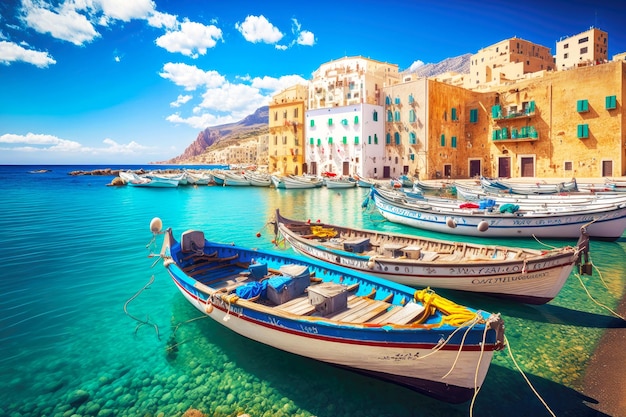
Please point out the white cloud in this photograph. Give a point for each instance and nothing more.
(191, 77)
(180, 100)
(275, 85)
(192, 39)
(415, 65)
(32, 142)
(306, 38)
(162, 20)
(11, 52)
(123, 10)
(258, 29)
(62, 22)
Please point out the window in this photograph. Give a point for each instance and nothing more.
(453, 115)
(565, 56)
(582, 106)
(411, 99)
(285, 114)
(566, 46)
(389, 116)
(453, 141)
(411, 116)
(356, 120)
(396, 137)
(473, 115)
(345, 140)
(330, 140)
(344, 122)
(397, 100)
(611, 102)
(369, 140)
(311, 141)
(375, 139)
(583, 50)
(530, 107)
(319, 142)
(583, 131)
(388, 139)
(443, 140)
(275, 116)
(412, 138)
(387, 100)
(356, 140)
(496, 111)
(375, 116)
(397, 116)
(312, 123)
(567, 165)
(295, 112)
(583, 40)
(330, 122)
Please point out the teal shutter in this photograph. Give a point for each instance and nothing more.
(312, 122)
(453, 114)
(388, 139)
(582, 106)
(531, 107)
(611, 102)
(356, 120)
(397, 138)
(453, 141)
(473, 115)
(443, 140)
(345, 140)
(375, 116)
(496, 112)
(311, 141)
(356, 140)
(583, 131)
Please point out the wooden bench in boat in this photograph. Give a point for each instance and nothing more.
(400, 314)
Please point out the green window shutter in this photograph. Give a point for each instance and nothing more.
(356, 120)
(389, 116)
(369, 140)
(375, 139)
(397, 116)
(494, 135)
(532, 132)
(473, 115)
(344, 122)
(443, 140)
(453, 114)
(311, 141)
(531, 107)
(412, 138)
(356, 140)
(514, 133)
(375, 116)
(330, 122)
(453, 141)
(388, 139)
(411, 99)
(345, 140)
(582, 106)
(611, 102)
(312, 122)
(505, 133)
(319, 142)
(387, 100)
(496, 112)
(397, 138)
(583, 131)
(412, 156)
(330, 140)
(411, 116)
(397, 100)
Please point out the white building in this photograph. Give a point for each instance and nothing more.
(346, 140)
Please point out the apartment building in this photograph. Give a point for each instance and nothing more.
(586, 48)
(286, 124)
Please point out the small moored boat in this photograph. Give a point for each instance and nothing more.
(335, 315)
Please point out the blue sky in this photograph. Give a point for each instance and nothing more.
(135, 81)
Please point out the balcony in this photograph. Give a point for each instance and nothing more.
(524, 134)
(499, 114)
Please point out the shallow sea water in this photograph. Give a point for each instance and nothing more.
(76, 260)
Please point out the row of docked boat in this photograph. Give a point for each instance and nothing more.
(362, 299)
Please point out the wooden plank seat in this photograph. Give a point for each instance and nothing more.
(401, 315)
(208, 262)
(299, 305)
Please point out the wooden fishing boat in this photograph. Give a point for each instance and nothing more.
(134, 180)
(258, 179)
(526, 275)
(339, 182)
(602, 221)
(235, 179)
(364, 182)
(335, 315)
(295, 182)
(528, 188)
(199, 178)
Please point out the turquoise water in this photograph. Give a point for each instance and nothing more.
(76, 253)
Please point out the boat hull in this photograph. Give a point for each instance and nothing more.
(608, 224)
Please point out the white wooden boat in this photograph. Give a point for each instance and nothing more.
(340, 182)
(258, 179)
(528, 188)
(235, 179)
(606, 222)
(295, 182)
(199, 178)
(218, 177)
(336, 315)
(526, 275)
(364, 182)
(134, 180)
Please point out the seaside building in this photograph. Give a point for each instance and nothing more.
(286, 126)
(506, 61)
(586, 48)
(345, 121)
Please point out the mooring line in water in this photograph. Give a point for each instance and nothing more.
(142, 322)
(480, 358)
(616, 314)
(526, 378)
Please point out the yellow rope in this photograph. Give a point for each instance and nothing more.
(323, 232)
(454, 314)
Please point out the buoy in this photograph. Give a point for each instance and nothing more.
(371, 263)
(451, 223)
(209, 308)
(258, 234)
(156, 225)
(482, 226)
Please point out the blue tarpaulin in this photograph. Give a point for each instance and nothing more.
(251, 290)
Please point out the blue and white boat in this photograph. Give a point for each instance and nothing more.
(335, 315)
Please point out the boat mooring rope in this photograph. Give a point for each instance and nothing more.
(526, 378)
(147, 320)
(616, 314)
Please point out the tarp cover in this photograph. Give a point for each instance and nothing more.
(251, 290)
(278, 283)
(510, 208)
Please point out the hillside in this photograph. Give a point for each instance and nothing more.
(222, 135)
(459, 64)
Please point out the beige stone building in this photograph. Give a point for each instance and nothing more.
(586, 48)
(507, 60)
(286, 124)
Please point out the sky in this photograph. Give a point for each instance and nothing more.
(135, 81)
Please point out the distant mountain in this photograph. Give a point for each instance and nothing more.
(253, 124)
(459, 64)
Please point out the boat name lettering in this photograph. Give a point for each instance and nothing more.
(309, 329)
(399, 357)
(503, 280)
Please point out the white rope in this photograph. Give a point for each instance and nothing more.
(597, 302)
(480, 358)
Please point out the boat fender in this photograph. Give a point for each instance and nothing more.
(451, 223)
(209, 308)
(482, 226)
(156, 225)
(371, 263)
